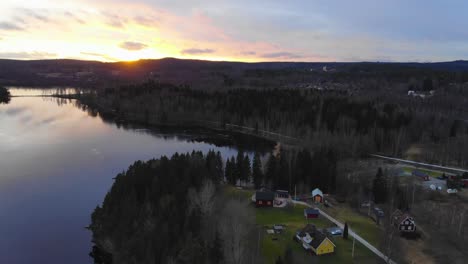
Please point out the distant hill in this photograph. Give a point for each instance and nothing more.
(95, 73)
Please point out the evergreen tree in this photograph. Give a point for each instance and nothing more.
(4, 95)
(246, 170)
(239, 172)
(271, 171)
(229, 172)
(257, 173)
(379, 187)
(345, 231)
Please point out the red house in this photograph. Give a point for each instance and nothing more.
(310, 213)
(264, 198)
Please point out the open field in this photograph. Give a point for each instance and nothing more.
(275, 245)
(361, 224)
(431, 173)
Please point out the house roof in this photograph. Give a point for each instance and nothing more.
(419, 173)
(318, 239)
(266, 195)
(282, 192)
(404, 217)
(309, 228)
(311, 211)
(317, 191)
(399, 217)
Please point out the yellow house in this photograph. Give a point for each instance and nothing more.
(321, 244)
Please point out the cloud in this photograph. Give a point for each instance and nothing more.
(194, 51)
(36, 55)
(74, 17)
(146, 21)
(281, 55)
(248, 53)
(133, 46)
(35, 15)
(115, 20)
(10, 26)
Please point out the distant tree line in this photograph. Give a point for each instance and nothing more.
(287, 170)
(4, 95)
(378, 121)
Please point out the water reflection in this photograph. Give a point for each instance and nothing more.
(57, 162)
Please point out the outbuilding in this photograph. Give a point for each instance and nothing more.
(310, 213)
(317, 195)
(404, 222)
(264, 198)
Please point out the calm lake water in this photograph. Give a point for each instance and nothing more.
(56, 164)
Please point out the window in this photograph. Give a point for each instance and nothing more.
(260, 202)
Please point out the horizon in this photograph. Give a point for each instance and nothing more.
(234, 61)
(265, 31)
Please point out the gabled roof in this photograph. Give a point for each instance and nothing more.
(264, 195)
(317, 191)
(318, 240)
(399, 217)
(405, 217)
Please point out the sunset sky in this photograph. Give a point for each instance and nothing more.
(241, 30)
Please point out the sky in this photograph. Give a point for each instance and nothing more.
(240, 30)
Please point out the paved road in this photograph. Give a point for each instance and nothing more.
(353, 234)
(420, 163)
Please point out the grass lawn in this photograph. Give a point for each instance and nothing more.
(430, 173)
(275, 245)
(234, 192)
(361, 224)
(294, 219)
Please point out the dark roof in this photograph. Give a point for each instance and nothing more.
(419, 173)
(309, 228)
(259, 195)
(282, 192)
(311, 211)
(317, 239)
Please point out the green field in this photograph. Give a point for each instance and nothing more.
(275, 245)
(430, 173)
(361, 224)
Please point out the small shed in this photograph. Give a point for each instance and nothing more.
(317, 195)
(264, 198)
(310, 213)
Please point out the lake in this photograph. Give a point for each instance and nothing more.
(56, 165)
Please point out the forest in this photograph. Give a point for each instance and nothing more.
(171, 210)
(378, 121)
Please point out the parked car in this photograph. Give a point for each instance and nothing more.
(334, 231)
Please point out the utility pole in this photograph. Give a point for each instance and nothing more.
(354, 240)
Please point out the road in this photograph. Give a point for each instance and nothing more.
(420, 163)
(352, 233)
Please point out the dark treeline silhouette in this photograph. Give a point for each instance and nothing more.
(154, 212)
(352, 125)
(288, 170)
(4, 95)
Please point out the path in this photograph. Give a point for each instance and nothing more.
(352, 233)
(419, 163)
